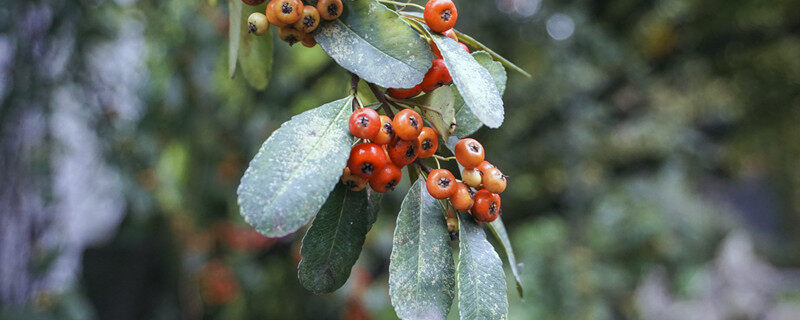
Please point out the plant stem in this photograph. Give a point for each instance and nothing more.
(423, 166)
(382, 98)
(438, 157)
(354, 88)
(402, 4)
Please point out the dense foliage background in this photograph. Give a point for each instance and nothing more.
(653, 161)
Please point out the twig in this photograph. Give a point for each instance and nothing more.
(354, 88)
(403, 4)
(423, 166)
(443, 158)
(382, 98)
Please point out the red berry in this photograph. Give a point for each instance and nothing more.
(386, 179)
(366, 159)
(437, 76)
(469, 152)
(398, 93)
(441, 183)
(449, 33)
(386, 132)
(486, 207)
(364, 123)
(440, 15)
(461, 199)
(403, 152)
(407, 124)
(464, 46)
(484, 167)
(428, 142)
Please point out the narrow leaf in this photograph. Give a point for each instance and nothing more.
(373, 42)
(480, 276)
(421, 270)
(234, 20)
(295, 170)
(333, 242)
(440, 109)
(472, 42)
(474, 82)
(255, 54)
(466, 122)
(499, 231)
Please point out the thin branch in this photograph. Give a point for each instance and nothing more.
(423, 166)
(402, 4)
(382, 98)
(354, 88)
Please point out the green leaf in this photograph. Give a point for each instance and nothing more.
(373, 42)
(466, 122)
(480, 276)
(295, 170)
(421, 271)
(472, 42)
(234, 32)
(439, 109)
(474, 82)
(499, 231)
(333, 242)
(255, 54)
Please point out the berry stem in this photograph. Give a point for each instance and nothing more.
(438, 157)
(402, 4)
(354, 89)
(382, 98)
(423, 166)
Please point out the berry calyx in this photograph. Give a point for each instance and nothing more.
(364, 123)
(407, 124)
(428, 142)
(471, 177)
(290, 35)
(385, 179)
(257, 23)
(330, 9)
(366, 159)
(486, 207)
(437, 76)
(399, 93)
(494, 181)
(461, 199)
(253, 2)
(308, 41)
(309, 19)
(403, 152)
(353, 182)
(288, 11)
(440, 15)
(469, 152)
(386, 132)
(441, 184)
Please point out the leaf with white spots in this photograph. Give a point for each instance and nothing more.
(255, 54)
(466, 122)
(474, 82)
(234, 20)
(296, 168)
(499, 232)
(373, 42)
(421, 270)
(333, 242)
(480, 277)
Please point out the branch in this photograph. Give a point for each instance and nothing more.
(382, 98)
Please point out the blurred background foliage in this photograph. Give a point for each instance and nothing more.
(653, 162)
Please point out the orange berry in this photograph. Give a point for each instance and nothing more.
(403, 152)
(399, 93)
(440, 15)
(461, 199)
(364, 123)
(494, 181)
(428, 142)
(441, 184)
(407, 124)
(353, 182)
(486, 206)
(469, 152)
(471, 177)
(386, 132)
(366, 159)
(386, 179)
(330, 9)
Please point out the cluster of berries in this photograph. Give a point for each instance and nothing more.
(294, 20)
(395, 143)
(478, 174)
(440, 16)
